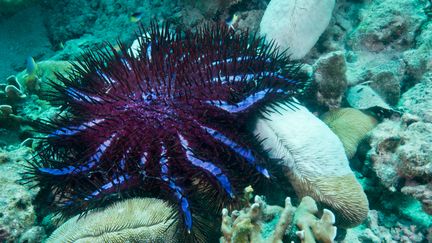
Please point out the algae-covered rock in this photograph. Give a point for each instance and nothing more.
(330, 79)
(387, 25)
(417, 100)
(400, 152)
(17, 214)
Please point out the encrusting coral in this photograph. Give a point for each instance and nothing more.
(350, 125)
(314, 162)
(260, 222)
(132, 220)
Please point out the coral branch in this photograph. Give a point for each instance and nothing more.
(247, 224)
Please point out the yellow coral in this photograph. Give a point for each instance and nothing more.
(350, 125)
(38, 80)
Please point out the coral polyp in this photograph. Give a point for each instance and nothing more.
(170, 121)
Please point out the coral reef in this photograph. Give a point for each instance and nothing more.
(18, 112)
(296, 25)
(382, 50)
(260, 222)
(11, 97)
(131, 220)
(350, 125)
(314, 162)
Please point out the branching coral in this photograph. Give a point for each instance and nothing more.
(266, 223)
(10, 95)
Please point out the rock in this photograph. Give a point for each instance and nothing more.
(17, 214)
(418, 100)
(330, 80)
(384, 140)
(388, 25)
(250, 20)
(296, 25)
(363, 97)
(400, 152)
(35, 234)
(387, 85)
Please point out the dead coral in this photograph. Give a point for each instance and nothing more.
(378, 231)
(401, 157)
(260, 222)
(423, 193)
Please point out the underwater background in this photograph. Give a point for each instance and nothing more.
(350, 161)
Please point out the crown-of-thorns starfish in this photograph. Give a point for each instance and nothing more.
(157, 121)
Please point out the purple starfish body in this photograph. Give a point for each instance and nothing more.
(158, 119)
